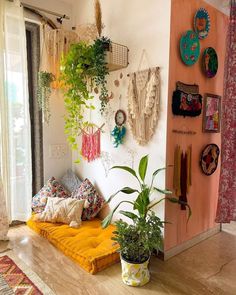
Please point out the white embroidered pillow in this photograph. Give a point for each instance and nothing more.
(62, 210)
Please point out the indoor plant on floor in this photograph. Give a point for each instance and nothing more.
(139, 239)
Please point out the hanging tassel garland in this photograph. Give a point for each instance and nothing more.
(91, 145)
(177, 167)
(182, 177)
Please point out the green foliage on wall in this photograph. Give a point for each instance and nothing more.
(83, 68)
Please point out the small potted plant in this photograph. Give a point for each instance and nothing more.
(137, 240)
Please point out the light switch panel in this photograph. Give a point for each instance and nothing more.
(58, 151)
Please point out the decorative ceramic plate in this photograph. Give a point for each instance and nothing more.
(189, 48)
(202, 23)
(209, 158)
(210, 62)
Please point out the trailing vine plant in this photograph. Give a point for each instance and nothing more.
(44, 92)
(83, 68)
(100, 46)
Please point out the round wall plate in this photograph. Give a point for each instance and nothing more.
(202, 23)
(209, 158)
(210, 62)
(189, 48)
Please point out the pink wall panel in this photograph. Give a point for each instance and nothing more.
(203, 193)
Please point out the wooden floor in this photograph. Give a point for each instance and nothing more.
(208, 268)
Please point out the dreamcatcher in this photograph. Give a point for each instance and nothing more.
(119, 131)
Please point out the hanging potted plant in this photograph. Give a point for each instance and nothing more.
(83, 69)
(138, 239)
(44, 92)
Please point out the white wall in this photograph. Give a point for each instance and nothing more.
(53, 133)
(139, 25)
(222, 5)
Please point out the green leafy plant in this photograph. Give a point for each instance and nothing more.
(44, 92)
(138, 239)
(83, 68)
(100, 46)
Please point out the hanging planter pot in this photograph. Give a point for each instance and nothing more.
(135, 274)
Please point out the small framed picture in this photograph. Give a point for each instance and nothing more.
(211, 113)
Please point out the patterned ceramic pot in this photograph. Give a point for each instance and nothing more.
(135, 274)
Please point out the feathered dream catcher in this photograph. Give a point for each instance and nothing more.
(119, 130)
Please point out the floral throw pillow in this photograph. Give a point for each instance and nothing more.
(93, 201)
(51, 189)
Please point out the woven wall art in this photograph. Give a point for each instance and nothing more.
(144, 103)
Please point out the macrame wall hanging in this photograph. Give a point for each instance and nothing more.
(87, 32)
(182, 178)
(56, 44)
(91, 143)
(143, 102)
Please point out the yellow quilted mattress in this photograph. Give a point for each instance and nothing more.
(90, 245)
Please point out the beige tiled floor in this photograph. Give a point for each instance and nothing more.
(207, 268)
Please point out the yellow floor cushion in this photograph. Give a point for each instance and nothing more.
(89, 245)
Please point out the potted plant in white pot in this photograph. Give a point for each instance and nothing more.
(137, 240)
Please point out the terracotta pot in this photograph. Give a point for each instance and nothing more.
(135, 274)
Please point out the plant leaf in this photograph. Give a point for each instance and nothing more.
(143, 167)
(106, 221)
(154, 204)
(125, 190)
(157, 171)
(177, 201)
(163, 191)
(142, 202)
(128, 169)
(129, 214)
(128, 190)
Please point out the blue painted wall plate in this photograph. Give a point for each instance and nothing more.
(189, 47)
(202, 23)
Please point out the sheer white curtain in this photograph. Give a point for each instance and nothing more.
(3, 119)
(15, 116)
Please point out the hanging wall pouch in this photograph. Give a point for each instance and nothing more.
(209, 158)
(186, 100)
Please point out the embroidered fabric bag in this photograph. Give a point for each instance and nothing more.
(186, 100)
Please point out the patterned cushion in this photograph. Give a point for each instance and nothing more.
(94, 201)
(51, 189)
(60, 210)
(70, 181)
